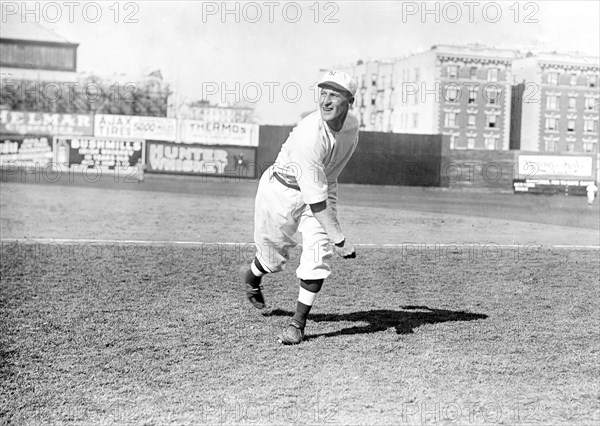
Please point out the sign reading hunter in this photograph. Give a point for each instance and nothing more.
(217, 133)
(26, 150)
(42, 123)
(163, 157)
(135, 127)
(99, 153)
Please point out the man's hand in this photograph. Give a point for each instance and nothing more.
(345, 249)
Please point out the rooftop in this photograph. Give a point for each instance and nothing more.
(14, 28)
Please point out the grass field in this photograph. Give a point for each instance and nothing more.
(160, 333)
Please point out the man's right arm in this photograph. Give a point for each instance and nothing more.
(328, 220)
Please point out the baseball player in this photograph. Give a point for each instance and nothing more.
(591, 190)
(299, 193)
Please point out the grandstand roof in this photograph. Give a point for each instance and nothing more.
(14, 28)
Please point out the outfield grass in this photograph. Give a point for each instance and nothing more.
(164, 335)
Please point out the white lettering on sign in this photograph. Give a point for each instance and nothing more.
(175, 158)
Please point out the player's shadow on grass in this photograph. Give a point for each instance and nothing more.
(404, 321)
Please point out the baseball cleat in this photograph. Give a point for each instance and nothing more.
(253, 290)
(292, 334)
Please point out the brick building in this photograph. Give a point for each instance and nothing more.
(555, 103)
(459, 91)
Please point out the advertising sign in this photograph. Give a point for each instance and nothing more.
(42, 123)
(26, 150)
(164, 157)
(135, 127)
(217, 133)
(539, 166)
(551, 186)
(99, 153)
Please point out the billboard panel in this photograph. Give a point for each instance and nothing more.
(135, 127)
(99, 153)
(557, 166)
(218, 133)
(165, 157)
(26, 151)
(42, 123)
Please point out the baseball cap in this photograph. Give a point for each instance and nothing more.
(339, 80)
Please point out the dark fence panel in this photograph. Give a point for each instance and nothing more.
(380, 158)
(396, 159)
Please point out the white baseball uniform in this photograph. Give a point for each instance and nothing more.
(591, 192)
(305, 172)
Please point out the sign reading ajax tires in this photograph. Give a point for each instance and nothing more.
(164, 157)
(135, 127)
(43, 123)
(99, 153)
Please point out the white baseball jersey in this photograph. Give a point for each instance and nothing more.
(311, 159)
(314, 156)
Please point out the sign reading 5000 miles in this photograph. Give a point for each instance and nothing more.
(136, 127)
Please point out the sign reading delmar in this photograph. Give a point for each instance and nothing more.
(138, 127)
(42, 123)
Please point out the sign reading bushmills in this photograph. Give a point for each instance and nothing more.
(99, 153)
(218, 133)
(135, 127)
(164, 157)
(26, 150)
(42, 123)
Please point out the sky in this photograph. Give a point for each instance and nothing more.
(269, 54)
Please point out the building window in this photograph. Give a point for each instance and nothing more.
(590, 104)
(592, 80)
(572, 103)
(472, 94)
(552, 102)
(450, 119)
(590, 126)
(551, 123)
(471, 120)
(490, 143)
(470, 143)
(573, 81)
(417, 75)
(372, 118)
(571, 126)
(473, 73)
(452, 141)
(373, 98)
(415, 120)
(570, 147)
(373, 79)
(553, 78)
(452, 71)
(492, 94)
(589, 146)
(451, 93)
(491, 120)
(493, 74)
(550, 145)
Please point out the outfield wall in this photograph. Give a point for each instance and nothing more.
(379, 159)
(130, 145)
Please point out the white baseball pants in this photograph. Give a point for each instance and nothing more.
(279, 213)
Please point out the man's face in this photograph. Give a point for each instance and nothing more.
(332, 104)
